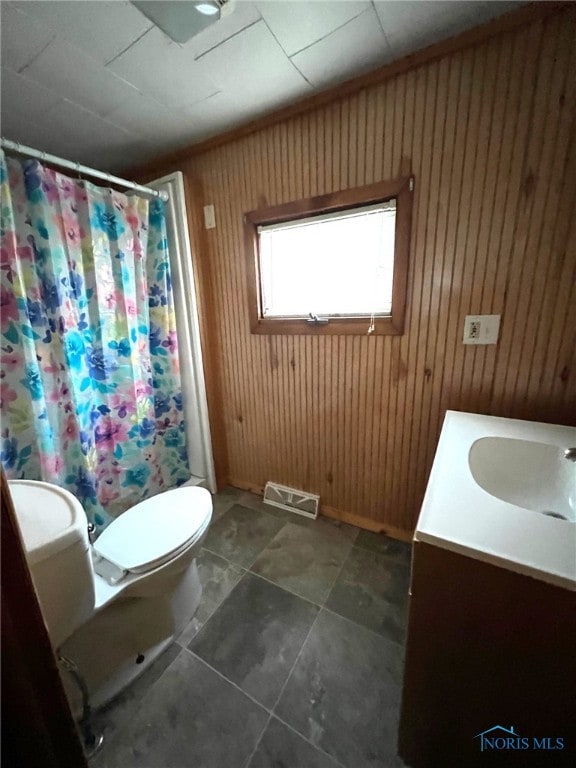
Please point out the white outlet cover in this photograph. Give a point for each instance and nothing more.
(481, 329)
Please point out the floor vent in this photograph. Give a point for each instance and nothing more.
(292, 500)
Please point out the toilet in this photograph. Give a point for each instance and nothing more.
(113, 606)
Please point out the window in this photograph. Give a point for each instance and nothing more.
(331, 264)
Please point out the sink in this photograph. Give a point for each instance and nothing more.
(495, 487)
(528, 474)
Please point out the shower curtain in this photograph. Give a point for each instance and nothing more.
(90, 391)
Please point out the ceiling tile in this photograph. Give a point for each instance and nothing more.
(297, 24)
(21, 37)
(145, 117)
(24, 96)
(153, 122)
(164, 70)
(410, 25)
(267, 78)
(215, 115)
(102, 28)
(234, 71)
(89, 129)
(79, 78)
(175, 129)
(117, 158)
(17, 126)
(79, 135)
(356, 47)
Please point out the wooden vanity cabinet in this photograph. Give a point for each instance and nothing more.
(485, 647)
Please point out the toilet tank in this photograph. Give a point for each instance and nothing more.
(55, 535)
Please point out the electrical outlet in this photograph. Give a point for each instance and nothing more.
(209, 217)
(481, 329)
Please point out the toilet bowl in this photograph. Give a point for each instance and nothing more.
(113, 606)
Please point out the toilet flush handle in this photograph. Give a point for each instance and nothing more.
(91, 533)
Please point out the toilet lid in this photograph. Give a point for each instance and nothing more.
(146, 535)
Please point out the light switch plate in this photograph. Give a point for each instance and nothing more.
(481, 329)
(209, 217)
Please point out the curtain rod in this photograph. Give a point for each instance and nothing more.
(22, 149)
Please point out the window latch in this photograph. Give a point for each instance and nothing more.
(312, 318)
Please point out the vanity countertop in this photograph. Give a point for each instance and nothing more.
(459, 515)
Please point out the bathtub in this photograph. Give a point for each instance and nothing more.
(501, 491)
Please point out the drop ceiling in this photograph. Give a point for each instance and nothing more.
(99, 83)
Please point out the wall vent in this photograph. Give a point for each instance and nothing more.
(292, 500)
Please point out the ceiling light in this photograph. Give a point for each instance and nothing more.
(207, 8)
(180, 20)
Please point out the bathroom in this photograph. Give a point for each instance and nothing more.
(328, 641)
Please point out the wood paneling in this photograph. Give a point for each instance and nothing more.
(489, 134)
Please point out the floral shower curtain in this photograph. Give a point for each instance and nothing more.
(90, 392)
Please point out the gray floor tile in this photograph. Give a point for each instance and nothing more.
(378, 542)
(254, 637)
(223, 500)
(228, 491)
(372, 589)
(253, 500)
(241, 534)
(344, 693)
(351, 532)
(320, 524)
(280, 747)
(220, 506)
(191, 717)
(305, 560)
(115, 714)
(217, 577)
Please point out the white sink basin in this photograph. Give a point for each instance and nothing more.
(531, 475)
(491, 481)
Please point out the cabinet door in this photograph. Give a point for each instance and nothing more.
(486, 647)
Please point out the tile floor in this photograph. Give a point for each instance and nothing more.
(293, 660)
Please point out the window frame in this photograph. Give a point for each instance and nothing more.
(401, 189)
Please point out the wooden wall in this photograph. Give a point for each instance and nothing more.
(489, 133)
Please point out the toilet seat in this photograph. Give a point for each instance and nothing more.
(156, 530)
